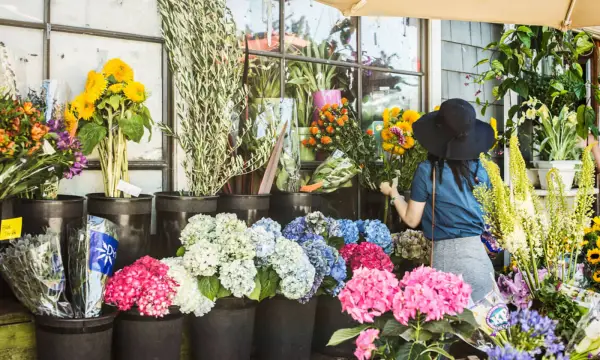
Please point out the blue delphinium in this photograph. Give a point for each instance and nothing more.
(378, 233)
(269, 225)
(349, 231)
(296, 229)
(507, 353)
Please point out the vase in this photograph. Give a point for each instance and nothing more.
(133, 218)
(566, 168)
(324, 97)
(226, 332)
(328, 320)
(146, 337)
(249, 208)
(63, 215)
(284, 329)
(306, 153)
(173, 211)
(89, 339)
(285, 207)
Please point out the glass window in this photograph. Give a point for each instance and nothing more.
(264, 77)
(25, 48)
(391, 43)
(258, 20)
(128, 16)
(22, 10)
(319, 31)
(90, 181)
(72, 56)
(383, 90)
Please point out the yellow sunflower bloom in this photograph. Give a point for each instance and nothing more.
(387, 147)
(593, 256)
(409, 143)
(404, 126)
(596, 276)
(116, 88)
(386, 118)
(70, 120)
(135, 91)
(411, 116)
(119, 69)
(386, 135)
(587, 230)
(398, 150)
(437, 108)
(84, 107)
(95, 85)
(395, 112)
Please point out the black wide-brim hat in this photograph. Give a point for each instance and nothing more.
(454, 132)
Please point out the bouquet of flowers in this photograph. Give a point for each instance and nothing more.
(320, 237)
(328, 130)
(412, 245)
(585, 342)
(110, 112)
(146, 285)
(405, 319)
(335, 172)
(33, 267)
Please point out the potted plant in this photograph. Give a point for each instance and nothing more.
(110, 112)
(148, 325)
(208, 96)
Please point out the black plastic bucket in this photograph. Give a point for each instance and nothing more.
(284, 329)
(225, 333)
(285, 207)
(172, 214)
(329, 319)
(63, 215)
(86, 339)
(342, 203)
(148, 338)
(133, 216)
(249, 208)
(6, 212)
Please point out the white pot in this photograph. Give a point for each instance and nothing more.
(533, 176)
(566, 168)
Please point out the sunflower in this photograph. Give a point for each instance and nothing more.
(405, 126)
(386, 135)
(116, 88)
(95, 86)
(135, 91)
(398, 150)
(409, 143)
(386, 117)
(596, 276)
(395, 112)
(387, 147)
(119, 69)
(411, 116)
(70, 120)
(84, 107)
(593, 256)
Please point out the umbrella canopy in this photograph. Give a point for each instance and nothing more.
(561, 14)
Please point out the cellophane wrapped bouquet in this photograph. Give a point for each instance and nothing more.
(334, 173)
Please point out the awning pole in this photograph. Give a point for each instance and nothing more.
(566, 24)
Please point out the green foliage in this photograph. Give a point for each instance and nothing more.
(343, 335)
(268, 281)
(560, 307)
(209, 286)
(90, 135)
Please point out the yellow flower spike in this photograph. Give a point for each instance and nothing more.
(119, 69)
(593, 256)
(95, 85)
(135, 91)
(411, 116)
(386, 118)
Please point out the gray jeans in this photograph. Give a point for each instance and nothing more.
(466, 257)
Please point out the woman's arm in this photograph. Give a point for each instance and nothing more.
(410, 212)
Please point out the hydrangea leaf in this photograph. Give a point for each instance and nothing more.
(255, 295)
(342, 335)
(269, 280)
(209, 286)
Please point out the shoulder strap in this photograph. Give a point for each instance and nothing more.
(433, 213)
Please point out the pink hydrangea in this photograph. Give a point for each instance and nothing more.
(368, 294)
(432, 293)
(366, 255)
(364, 344)
(146, 284)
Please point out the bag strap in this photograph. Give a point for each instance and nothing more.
(432, 214)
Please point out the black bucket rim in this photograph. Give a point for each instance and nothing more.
(61, 199)
(134, 314)
(234, 303)
(239, 196)
(176, 195)
(102, 197)
(296, 194)
(71, 325)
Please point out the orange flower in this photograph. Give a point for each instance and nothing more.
(304, 142)
(28, 108)
(325, 107)
(8, 149)
(345, 118)
(335, 106)
(320, 122)
(325, 140)
(344, 101)
(344, 111)
(314, 123)
(34, 148)
(38, 131)
(312, 141)
(314, 130)
(3, 136)
(16, 124)
(340, 122)
(370, 132)
(330, 129)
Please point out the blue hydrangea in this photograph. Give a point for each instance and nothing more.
(335, 228)
(310, 237)
(269, 225)
(378, 233)
(349, 231)
(338, 273)
(295, 230)
(321, 256)
(360, 224)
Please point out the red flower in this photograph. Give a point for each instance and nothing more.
(370, 132)
(367, 255)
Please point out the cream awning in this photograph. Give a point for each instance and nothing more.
(562, 14)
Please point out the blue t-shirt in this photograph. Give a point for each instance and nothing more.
(457, 212)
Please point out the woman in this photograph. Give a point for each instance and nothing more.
(454, 139)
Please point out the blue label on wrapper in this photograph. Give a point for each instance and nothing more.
(103, 252)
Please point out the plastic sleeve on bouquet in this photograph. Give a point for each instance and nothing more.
(585, 342)
(92, 254)
(33, 268)
(335, 172)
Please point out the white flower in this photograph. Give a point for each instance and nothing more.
(532, 102)
(525, 207)
(202, 258)
(233, 239)
(572, 118)
(530, 114)
(583, 346)
(198, 227)
(516, 241)
(593, 330)
(263, 241)
(188, 297)
(238, 277)
(293, 266)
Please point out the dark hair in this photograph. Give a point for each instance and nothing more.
(461, 169)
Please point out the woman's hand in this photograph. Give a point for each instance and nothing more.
(386, 189)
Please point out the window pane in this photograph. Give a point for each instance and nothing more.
(22, 10)
(382, 90)
(258, 20)
(264, 78)
(72, 56)
(316, 30)
(304, 79)
(90, 181)
(129, 16)
(391, 43)
(25, 55)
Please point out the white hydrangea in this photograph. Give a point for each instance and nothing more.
(238, 277)
(202, 258)
(198, 227)
(263, 241)
(188, 297)
(233, 239)
(293, 266)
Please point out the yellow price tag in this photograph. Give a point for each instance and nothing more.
(11, 228)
